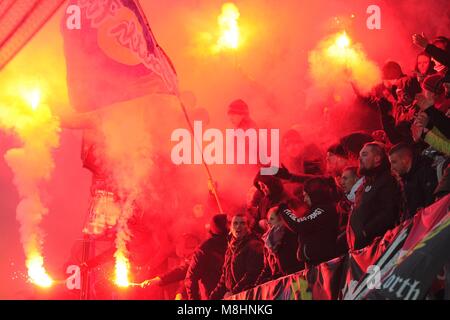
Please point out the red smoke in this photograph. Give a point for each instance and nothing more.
(271, 72)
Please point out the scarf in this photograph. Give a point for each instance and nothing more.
(352, 194)
(273, 238)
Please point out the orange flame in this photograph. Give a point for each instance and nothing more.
(338, 57)
(122, 270)
(32, 97)
(341, 48)
(229, 28)
(343, 41)
(37, 273)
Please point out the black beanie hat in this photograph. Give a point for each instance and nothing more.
(338, 150)
(274, 184)
(354, 142)
(238, 107)
(434, 83)
(218, 224)
(321, 190)
(392, 71)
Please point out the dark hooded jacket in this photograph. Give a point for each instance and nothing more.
(244, 260)
(206, 266)
(418, 186)
(377, 207)
(317, 230)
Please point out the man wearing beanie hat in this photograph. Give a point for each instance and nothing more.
(219, 224)
(395, 102)
(336, 160)
(244, 259)
(401, 87)
(434, 106)
(239, 115)
(207, 261)
(392, 71)
(238, 107)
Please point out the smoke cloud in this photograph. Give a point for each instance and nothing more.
(280, 70)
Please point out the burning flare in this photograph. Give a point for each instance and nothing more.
(129, 157)
(343, 41)
(32, 97)
(122, 270)
(37, 273)
(122, 237)
(23, 114)
(340, 50)
(229, 37)
(338, 60)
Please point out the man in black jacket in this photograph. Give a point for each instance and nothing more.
(418, 177)
(317, 230)
(207, 261)
(378, 200)
(244, 260)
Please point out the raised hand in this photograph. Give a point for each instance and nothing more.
(283, 173)
(422, 119)
(420, 40)
(416, 132)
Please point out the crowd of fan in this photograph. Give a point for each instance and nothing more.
(370, 183)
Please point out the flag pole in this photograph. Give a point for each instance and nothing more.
(208, 172)
(186, 115)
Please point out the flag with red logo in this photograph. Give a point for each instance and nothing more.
(112, 55)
